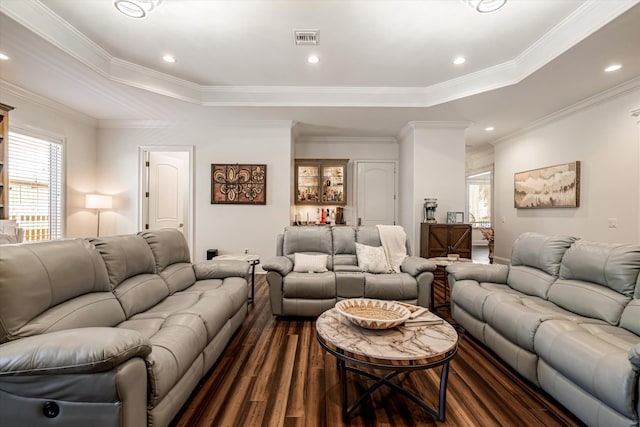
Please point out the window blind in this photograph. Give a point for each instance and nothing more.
(35, 186)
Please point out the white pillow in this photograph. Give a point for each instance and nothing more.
(304, 263)
(372, 259)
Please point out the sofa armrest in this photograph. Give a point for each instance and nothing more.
(494, 273)
(634, 357)
(72, 351)
(415, 265)
(220, 269)
(280, 264)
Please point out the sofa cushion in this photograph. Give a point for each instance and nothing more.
(368, 236)
(594, 357)
(125, 257)
(88, 310)
(305, 263)
(349, 284)
(140, 293)
(372, 259)
(41, 271)
(344, 246)
(176, 342)
(612, 265)
(168, 245)
(344, 240)
(529, 280)
(309, 285)
(597, 279)
(517, 316)
(396, 286)
(307, 240)
(539, 251)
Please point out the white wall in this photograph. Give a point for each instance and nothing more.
(42, 117)
(228, 228)
(603, 136)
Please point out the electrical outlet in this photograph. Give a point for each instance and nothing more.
(246, 250)
(613, 222)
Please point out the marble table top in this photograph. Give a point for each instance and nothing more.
(405, 342)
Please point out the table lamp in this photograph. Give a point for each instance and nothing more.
(99, 202)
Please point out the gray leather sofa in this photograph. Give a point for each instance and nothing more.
(115, 331)
(294, 293)
(565, 314)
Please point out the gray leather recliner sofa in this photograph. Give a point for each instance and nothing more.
(309, 294)
(565, 314)
(112, 331)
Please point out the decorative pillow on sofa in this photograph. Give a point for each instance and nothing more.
(304, 263)
(372, 259)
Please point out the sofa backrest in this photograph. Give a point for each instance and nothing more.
(54, 285)
(344, 245)
(132, 272)
(368, 235)
(308, 240)
(597, 280)
(630, 318)
(172, 258)
(535, 262)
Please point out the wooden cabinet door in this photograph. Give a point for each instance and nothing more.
(438, 240)
(460, 240)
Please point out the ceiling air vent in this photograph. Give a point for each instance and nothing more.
(305, 37)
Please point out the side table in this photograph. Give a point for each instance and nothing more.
(253, 260)
(441, 263)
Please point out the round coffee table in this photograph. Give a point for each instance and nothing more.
(404, 348)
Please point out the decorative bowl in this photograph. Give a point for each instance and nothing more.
(372, 313)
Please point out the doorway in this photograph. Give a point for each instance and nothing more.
(166, 189)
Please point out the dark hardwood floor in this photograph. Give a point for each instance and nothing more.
(274, 373)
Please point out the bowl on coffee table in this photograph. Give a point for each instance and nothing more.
(373, 314)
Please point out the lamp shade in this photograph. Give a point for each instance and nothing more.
(98, 201)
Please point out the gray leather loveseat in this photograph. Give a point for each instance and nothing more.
(115, 331)
(309, 294)
(565, 314)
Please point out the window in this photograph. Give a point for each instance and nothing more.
(479, 199)
(35, 186)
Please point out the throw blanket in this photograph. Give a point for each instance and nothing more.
(393, 240)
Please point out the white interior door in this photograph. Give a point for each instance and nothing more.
(376, 192)
(166, 192)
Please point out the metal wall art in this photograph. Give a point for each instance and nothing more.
(239, 184)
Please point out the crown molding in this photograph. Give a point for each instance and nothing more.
(417, 125)
(621, 89)
(163, 124)
(590, 16)
(34, 98)
(347, 139)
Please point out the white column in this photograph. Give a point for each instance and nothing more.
(432, 164)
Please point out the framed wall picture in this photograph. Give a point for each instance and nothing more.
(455, 217)
(239, 184)
(550, 187)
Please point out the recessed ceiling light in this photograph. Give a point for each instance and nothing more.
(460, 60)
(489, 128)
(313, 59)
(3, 57)
(169, 58)
(614, 67)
